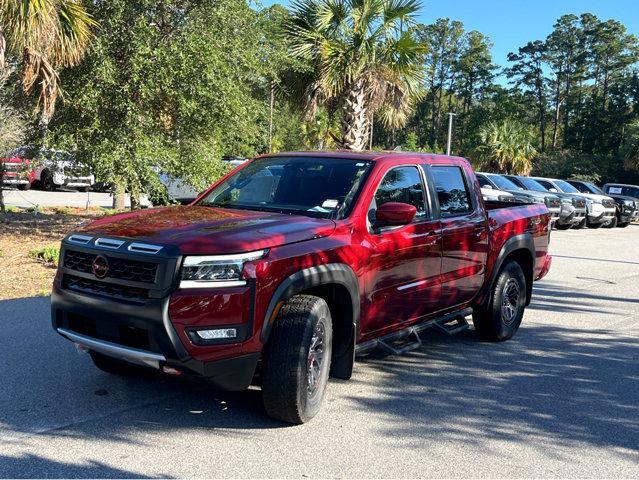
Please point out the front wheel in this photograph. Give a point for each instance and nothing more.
(595, 225)
(623, 224)
(612, 224)
(297, 360)
(580, 225)
(563, 226)
(500, 320)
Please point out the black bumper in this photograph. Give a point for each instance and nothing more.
(147, 329)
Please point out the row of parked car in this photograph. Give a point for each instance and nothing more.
(55, 169)
(572, 203)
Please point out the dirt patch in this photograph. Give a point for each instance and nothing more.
(21, 233)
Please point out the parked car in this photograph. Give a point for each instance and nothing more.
(623, 189)
(627, 208)
(181, 191)
(61, 169)
(496, 181)
(573, 207)
(491, 194)
(292, 264)
(601, 208)
(17, 172)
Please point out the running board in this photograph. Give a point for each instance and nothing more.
(450, 324)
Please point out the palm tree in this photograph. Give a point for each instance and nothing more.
(44, 35)
(506, 147)
(364, 56)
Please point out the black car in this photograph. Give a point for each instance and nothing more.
(630, 192)
(627, 207)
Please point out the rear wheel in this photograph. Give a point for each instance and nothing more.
(297, 360)
(24, 186)
(113, 365)
(612, 224)
(501, 318)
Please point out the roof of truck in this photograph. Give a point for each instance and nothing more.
(370, 155)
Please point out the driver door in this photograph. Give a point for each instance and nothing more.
(405, 261)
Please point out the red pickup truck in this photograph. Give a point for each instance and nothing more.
(284, 270)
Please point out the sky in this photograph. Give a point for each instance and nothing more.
(511, 24)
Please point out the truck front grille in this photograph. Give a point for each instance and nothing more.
(121, 269)
(104, 289)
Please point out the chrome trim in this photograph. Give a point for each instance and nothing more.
(79, 239)
(410, 285)
(192, 260)
(133, 355)
(211, 283)
(144, 248)
(109, 243)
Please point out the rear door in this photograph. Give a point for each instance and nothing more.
(464, 235)
(405, 261)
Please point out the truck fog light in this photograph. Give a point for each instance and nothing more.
(216, 334)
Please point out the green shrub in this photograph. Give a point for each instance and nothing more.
(47, 255)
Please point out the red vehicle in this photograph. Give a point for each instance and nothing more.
(290, 265)
(17, 172)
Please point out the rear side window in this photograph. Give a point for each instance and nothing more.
(483, 182)
(452, 191)
(402, 184)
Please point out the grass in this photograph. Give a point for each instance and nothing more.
(48, 255)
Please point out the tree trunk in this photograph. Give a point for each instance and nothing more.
(355, 119)
(2, 207)
(555, 127)
(119, 195)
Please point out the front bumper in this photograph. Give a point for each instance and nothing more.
(571, 215)
(150, 322)
(115, 330)
(598, 214)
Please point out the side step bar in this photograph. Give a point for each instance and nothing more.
(451, 323)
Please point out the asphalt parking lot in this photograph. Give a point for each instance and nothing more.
(559, 400)
(58, 198)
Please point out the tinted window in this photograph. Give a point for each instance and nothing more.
(503, 183)
(582, 187)
(545, 184)
(566, 187)
(483, 181)
(617, 190)
(318, 187)
(452, 191)
(402, 184)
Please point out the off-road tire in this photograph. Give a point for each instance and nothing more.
(286, 392)
(613, 224)
(490, 322)
(114, 366)
(580, 225)
(623, 224)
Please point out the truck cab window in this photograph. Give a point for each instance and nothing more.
(452, 191)
(401, 184)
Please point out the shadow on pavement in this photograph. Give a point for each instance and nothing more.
(34, 466)
(551, 384)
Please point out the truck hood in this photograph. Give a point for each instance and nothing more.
(208, 230)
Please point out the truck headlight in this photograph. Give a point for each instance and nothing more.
(214, 271)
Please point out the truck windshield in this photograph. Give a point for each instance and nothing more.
(566, 187)
(503, 183)
(312, 186)
(530, 184)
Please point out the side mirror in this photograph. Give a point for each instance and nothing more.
(395, 213)
(553, 190)
(488, 187)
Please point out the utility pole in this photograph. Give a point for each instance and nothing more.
(450, 131)
(270, 121)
